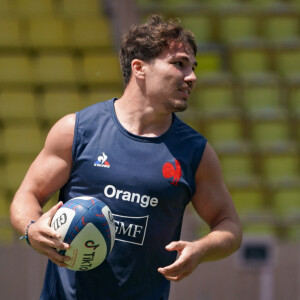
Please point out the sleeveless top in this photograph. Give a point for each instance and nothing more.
(147, 183)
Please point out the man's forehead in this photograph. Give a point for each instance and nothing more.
(177, 49)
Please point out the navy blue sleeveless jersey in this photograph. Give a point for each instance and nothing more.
(147, 183)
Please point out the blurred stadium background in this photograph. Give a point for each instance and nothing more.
(58, 56)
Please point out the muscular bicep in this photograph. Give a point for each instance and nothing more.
(212, 200)
(51, 169)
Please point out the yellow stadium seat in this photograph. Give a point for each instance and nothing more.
(225, 133)
(281, 28)
(214, 98)
(59, 69)
(286, 201)
(270, 133)
(209, 62)
(249, 61)
(238, 167)
(2, 168)
(18, 106)
(248, 200)
(7, 8)
(100, 95)
(75, 8)
(293, 100)
(90, 32)
(4, 205)
(200, 25)
(47, 32)
(101, 69)
(23, 140)
(280, 167)
(15, 69)
(287, 62)
(58, 103)
(30, 8)
(15, 170)
(10, 33)
(237, 27)
(262, 98)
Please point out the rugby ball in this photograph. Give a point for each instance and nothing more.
(87, 225)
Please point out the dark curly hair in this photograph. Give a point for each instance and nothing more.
(149, 40)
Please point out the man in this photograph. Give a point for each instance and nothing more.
(157, 164)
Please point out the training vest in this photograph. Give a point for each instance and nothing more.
(147, 183)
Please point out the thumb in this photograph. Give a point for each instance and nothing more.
(173, 246)
(52, 211)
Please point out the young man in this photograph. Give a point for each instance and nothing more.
(157, 164)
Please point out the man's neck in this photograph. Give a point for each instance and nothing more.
(139, 117)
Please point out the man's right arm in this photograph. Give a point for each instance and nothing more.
(46, 175)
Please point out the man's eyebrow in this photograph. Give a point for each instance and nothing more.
(185, 58)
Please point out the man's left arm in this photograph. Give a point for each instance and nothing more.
(214, 205)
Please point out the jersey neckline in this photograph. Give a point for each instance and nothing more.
(134, 136)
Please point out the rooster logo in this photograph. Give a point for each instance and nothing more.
(169, 171)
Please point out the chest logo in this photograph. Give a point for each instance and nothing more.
(171, 171)
(102, 161)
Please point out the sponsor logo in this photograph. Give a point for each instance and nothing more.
(171, 171)
(144, 201)
(59, 221)
(131, 229)
(88, 258)
(102, 161)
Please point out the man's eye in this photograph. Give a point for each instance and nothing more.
(178, 63)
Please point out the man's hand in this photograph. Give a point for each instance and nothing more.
(46, 240)
(188, 259)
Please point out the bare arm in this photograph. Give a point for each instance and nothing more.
(214, 205)
(47, 174)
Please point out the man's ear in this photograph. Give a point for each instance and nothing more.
(138, 68)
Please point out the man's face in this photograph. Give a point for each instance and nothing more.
(170, 78)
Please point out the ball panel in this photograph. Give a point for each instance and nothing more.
(109, 217)
(87, 250)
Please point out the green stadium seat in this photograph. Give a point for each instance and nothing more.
(30, 8)
(101, 69)
(76, 8)
(281, 28)
(58, 103)
(18, 106)
(22, 140)
(237, 27)
(91, 33)
(15, 69)
(10, 33)
(47, 33)
(56, 69)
